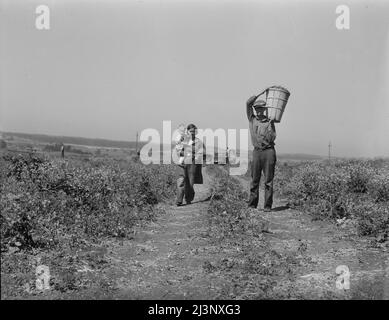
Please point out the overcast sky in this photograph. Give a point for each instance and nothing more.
(107, 69)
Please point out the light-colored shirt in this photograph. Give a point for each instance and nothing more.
(262, 131)
(194, 151)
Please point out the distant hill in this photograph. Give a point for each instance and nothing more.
(75, 140)
(296, 156)
(130, 144)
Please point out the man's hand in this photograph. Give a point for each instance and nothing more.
(249, 107)
(251, 100)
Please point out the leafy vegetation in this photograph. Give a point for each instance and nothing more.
(61, 210)
(354, 191)
(63, 213)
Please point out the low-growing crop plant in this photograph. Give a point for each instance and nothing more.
(253, 267)
(343, 189)
(59, 207)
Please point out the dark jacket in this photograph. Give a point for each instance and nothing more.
(194, 173)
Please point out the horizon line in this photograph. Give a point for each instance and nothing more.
(142, 142)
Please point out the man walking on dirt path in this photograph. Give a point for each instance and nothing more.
(263, 134)
(192, 167)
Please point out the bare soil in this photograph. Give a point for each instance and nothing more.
(172, 258)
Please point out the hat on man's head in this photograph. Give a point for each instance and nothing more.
(259, 104)
(191, 126)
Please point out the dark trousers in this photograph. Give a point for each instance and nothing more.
(185, 188)
(263, 161)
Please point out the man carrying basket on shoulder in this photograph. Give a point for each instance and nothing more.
(263, 134)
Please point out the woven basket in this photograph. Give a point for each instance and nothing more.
(276, 100)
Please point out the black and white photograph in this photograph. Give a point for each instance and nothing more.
(211, 151)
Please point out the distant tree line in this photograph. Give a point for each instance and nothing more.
(78, 140)
(57, 148)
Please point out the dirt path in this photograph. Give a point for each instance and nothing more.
(171, 258)
(168, 259)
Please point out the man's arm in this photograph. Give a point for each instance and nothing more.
(204, 154)
(273, 125)
(249, 106)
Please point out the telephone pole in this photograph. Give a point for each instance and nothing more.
(329, 151)
(136, 145)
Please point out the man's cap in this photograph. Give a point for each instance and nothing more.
(259, 104)
(191, 126)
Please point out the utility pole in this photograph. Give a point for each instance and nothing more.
(329, 151)
(136, 146)
(137, 152)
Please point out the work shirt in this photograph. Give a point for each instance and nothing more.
(262, 131)
(194, 158)
(194, 151)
